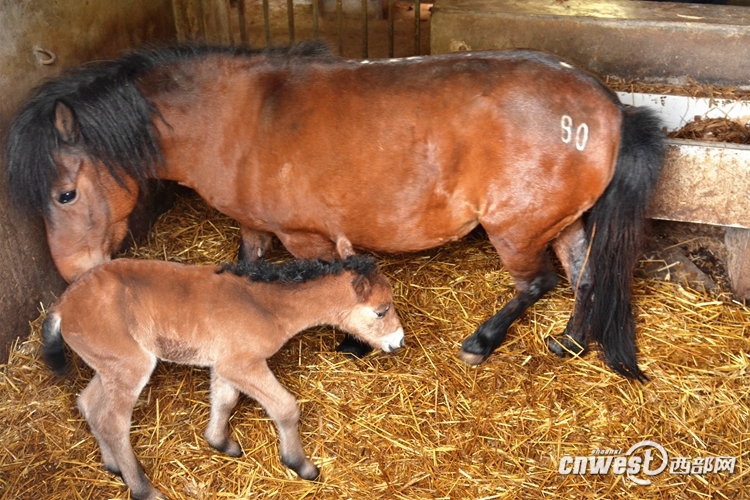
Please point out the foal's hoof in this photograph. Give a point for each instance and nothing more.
(565, 346)
(304, 469)
(353, 348)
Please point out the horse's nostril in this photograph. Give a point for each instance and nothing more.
(401, 344)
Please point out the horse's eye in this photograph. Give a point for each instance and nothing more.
(381, 314)
(67, 196)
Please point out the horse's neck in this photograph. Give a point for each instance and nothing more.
(322, 301)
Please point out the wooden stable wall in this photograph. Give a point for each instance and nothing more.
(38, 38)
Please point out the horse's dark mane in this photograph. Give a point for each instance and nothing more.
(301, 270)
(114, 120)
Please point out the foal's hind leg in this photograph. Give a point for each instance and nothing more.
(107, 404)
(533, 275)
(257, 381)
(571, 248)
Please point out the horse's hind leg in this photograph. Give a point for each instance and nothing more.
(571, 248)
(257, 381)
(90, 397)
(107, 404)
(534, 276)
(223, 400)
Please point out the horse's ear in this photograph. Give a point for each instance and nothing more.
(344, 247)
(65, 123)
(362, 287)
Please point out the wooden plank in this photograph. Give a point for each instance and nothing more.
(737, 242)
(645, 41)
(704, 182)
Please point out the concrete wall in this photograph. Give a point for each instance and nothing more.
(38, 38)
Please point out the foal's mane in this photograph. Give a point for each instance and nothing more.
(114, 120)
(301, 270)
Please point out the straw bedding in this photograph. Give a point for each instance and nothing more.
(418, 423)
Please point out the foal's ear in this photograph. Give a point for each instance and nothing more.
(363, 287)
(65, 123)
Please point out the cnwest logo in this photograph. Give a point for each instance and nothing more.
(646, 458)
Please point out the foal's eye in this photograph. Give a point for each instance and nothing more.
(67, 196)
(381, 314)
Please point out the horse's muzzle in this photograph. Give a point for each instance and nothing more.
(394, 341)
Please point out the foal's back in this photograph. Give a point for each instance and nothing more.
(185, 314)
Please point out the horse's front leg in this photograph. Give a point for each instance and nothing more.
(257, 381)
(534, 276)
(223, 400)
(254, 244)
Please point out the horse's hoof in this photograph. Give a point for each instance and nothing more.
(476, 349)
(564, 346)
(471, 358)
(304, 468)
(353, 348)
(313, 474)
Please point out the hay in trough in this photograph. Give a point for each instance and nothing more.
(714, 130)
(690, 89)
(418, 423)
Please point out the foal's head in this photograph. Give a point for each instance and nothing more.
(363, 301)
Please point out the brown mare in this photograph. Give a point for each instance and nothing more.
(390, 156)
(230, 319)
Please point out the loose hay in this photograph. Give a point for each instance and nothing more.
(714, 130)
(419, 423)
(690, 89)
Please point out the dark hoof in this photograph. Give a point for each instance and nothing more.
(353, 347)
(304, 468)
(565, 346)
(475, 350)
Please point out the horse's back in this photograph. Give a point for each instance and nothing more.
(433, 146)
(135, 305)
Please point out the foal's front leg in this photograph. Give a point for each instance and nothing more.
(223, 400)
(258, 382)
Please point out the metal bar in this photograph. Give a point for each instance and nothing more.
(417, 34)
(244, 38)
(316, 14)
(364, 29)
(267, 22)
(290, 18)
(391, 31)
(340, 24)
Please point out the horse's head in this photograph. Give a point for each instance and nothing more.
(373, 317)
(86, 216)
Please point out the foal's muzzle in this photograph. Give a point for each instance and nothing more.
(393, 341)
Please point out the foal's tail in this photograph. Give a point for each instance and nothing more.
(53, 346)
(615, 228)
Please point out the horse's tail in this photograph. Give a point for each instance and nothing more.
(53, 346)
(615, 228)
